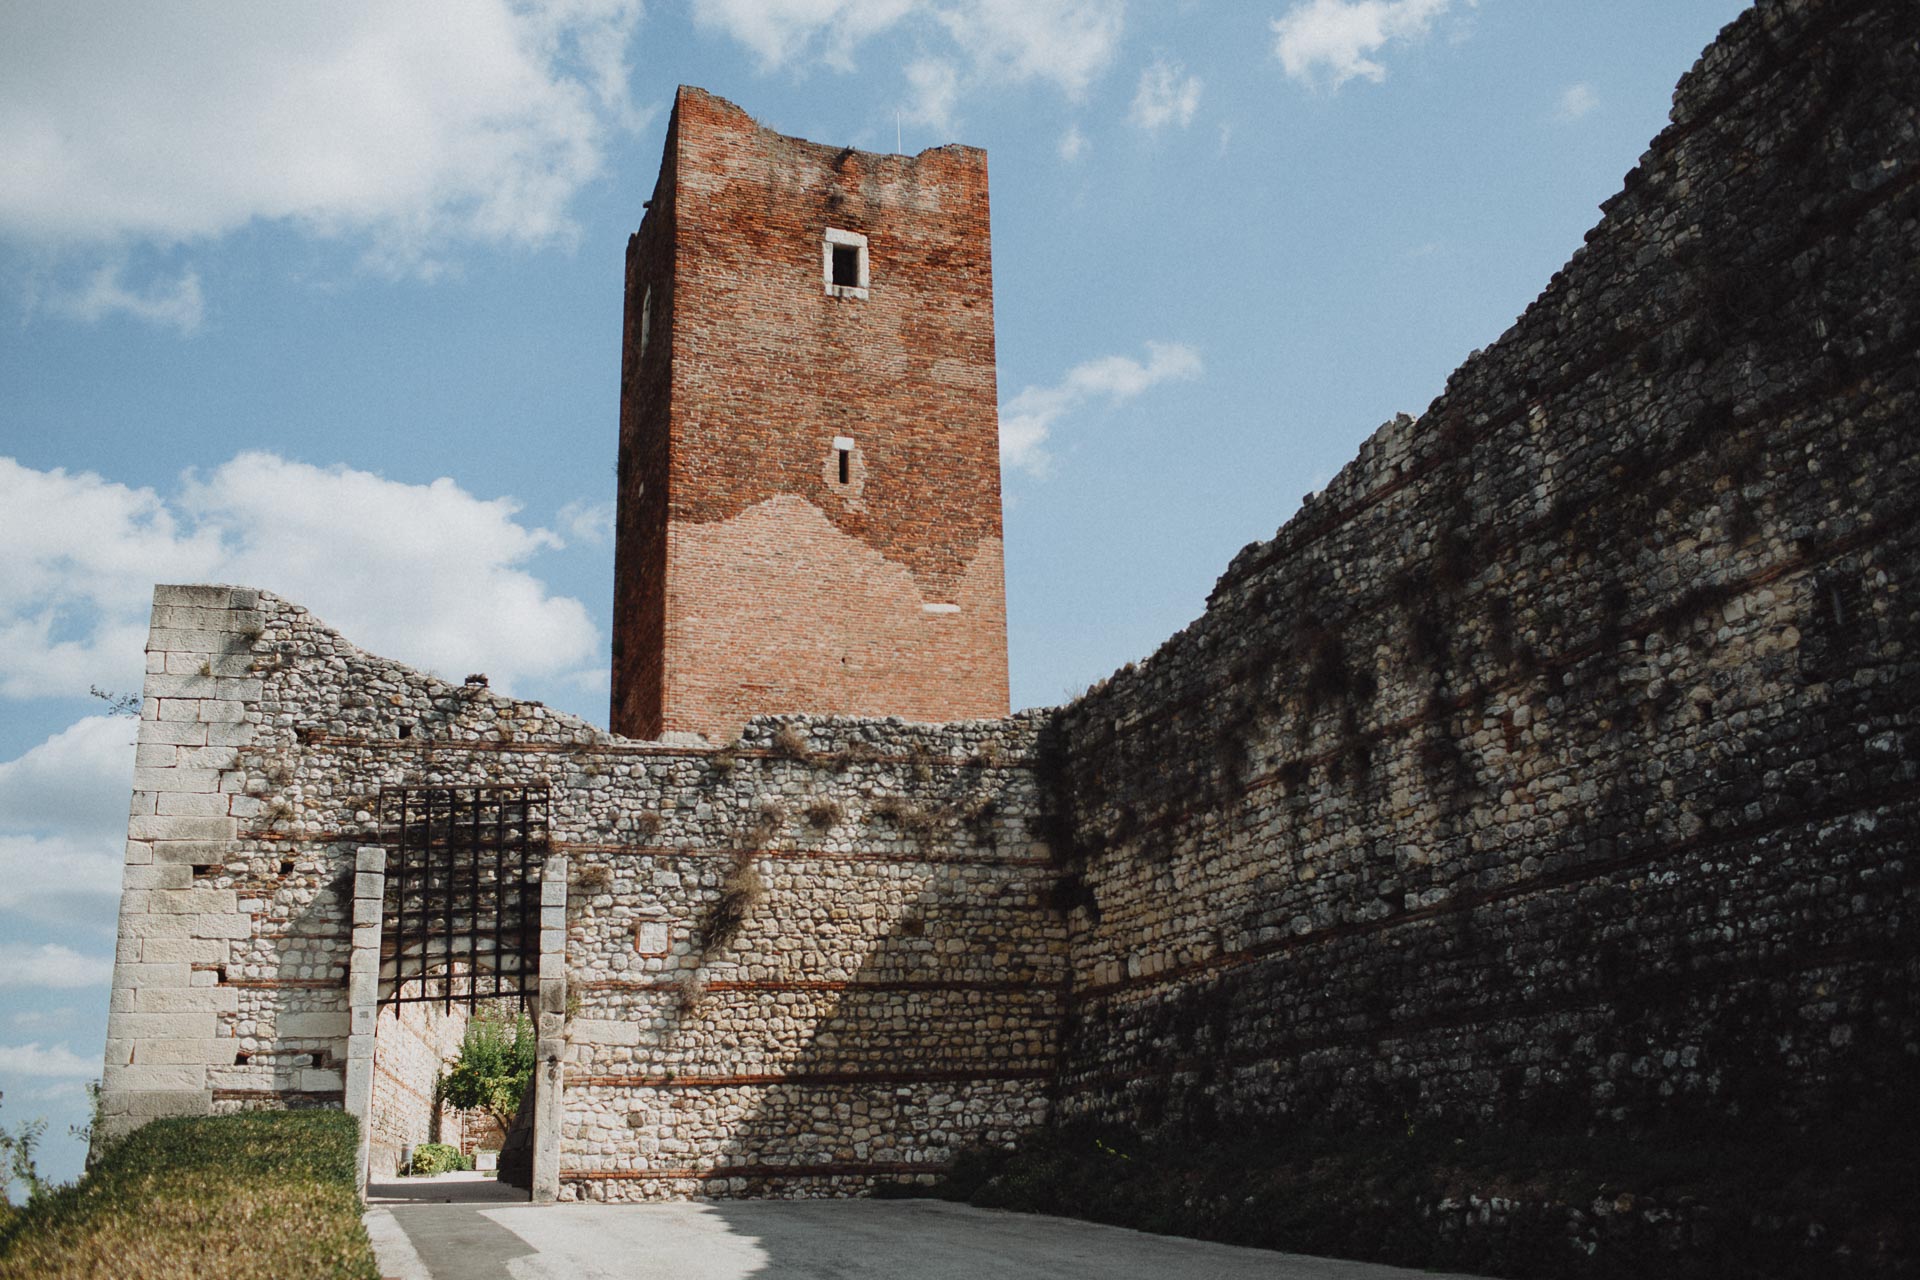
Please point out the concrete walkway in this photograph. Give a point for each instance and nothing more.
(433, 1229)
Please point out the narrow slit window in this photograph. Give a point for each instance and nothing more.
(846, 465)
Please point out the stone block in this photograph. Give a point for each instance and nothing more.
(194, 852)
(366, 911)
(237, 734)
(553, 917)
(190, 804)
(155, 1105)
(186, 1000)
(144, 974)
(192, 685)
(553, 942)
(220, 759)
(193, 596)
(598, 1031)
(183, 1078)
(170, 710)
(223, 712)
(178, 733)
(180, 826)
(156, 756)
(312, 1026)
(155, 926)
(370, 858)
(184, 950)
(138, 853)
(186, 640)
(362, 1022)
(221, 926)
(316, 1080)
(193, 617)
(359, 1046)
(200, 900)
(364, 988)
(164, 1026)
(369, 884)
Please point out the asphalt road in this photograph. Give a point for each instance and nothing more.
(418, 1238)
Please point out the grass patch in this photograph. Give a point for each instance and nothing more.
(259, 1195)
(1839, 1201)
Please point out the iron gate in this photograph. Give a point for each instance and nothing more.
(461, 921)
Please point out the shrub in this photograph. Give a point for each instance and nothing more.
(430, 1158)
(255, 1196)
(495, 1063)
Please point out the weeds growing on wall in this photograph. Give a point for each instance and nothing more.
(740, 890)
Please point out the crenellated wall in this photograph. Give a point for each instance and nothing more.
(1559, 759)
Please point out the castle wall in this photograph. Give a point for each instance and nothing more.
(1558, 761)
(892, 990)
(755, 576)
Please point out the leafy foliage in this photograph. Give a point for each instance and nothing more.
(255, 1196)
(430, 1158)
(17, 1147)
(496, 1062)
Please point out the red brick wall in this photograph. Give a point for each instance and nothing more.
(750, 578)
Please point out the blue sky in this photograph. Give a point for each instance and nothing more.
(326, 300)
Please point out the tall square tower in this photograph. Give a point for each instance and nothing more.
(809, 472)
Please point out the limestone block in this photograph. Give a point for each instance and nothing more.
(179, 733)
(196, 596)
(190, 804)
(364, 987)
(597, 1031)
(164, 1026)
(155, 756)
(200, 900)
(184, 1078)
(171, 710)
(319, 1081)
(312, 1026)
(221, 926)
(553, 917)
(370, 858)
(369, 884)
(180, 827)
(223, 712)
(237, 734)
(192, 685)
(186, 999)
(193, 852)
(360, 1046)
(208, 1053)
(179, 1102)
(553, 942)
(187, 640)
(219, 758)
(188, 950)
(364, 1019)
(152, 975)
(138, 853)
(144, 926)
(366, 911)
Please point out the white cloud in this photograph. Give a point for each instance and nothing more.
(588, 522)
(1073, 144)
(1167, 95)
(51, 965)
(1329, 40)
(63, 879)
(1576, 101)
(426, 573)
(53, 1062)
(933, 86)
(415, 125)
(177, 304)
(75, 782)
(1063, 42)
(1027, 420)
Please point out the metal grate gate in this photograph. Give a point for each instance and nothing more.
(461, 922)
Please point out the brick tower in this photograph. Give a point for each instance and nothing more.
(809, 513)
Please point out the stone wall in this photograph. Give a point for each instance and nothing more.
(890, 989)
(1558, 761)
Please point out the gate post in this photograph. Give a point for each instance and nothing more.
(550, 1068)
(363, 996)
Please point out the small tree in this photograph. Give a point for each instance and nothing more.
(17, 1147)
(496, 1061)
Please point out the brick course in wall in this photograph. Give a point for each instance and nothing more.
(750, 577)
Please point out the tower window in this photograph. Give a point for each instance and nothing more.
(846, 266)
(846, 465)
(646, 318)
(843, 263)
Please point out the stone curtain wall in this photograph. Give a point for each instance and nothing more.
(889, 990)
(1558, 761)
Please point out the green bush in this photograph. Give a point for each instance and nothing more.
(244, 1197)
(437, 1157)
(494, 1066)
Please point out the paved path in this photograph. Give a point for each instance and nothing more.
(429, 1229)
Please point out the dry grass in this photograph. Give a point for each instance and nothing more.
(244, 1197)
